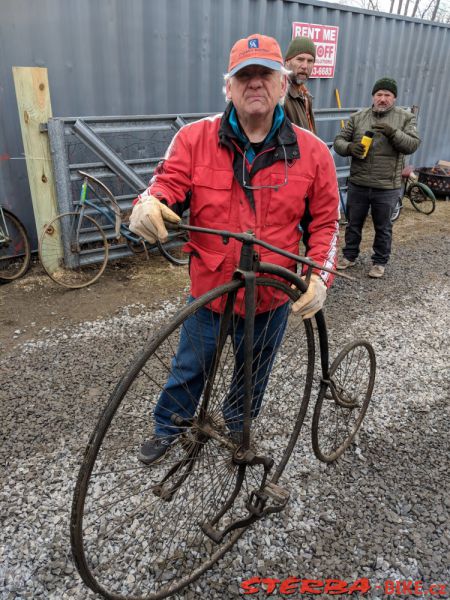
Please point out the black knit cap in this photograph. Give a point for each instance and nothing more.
(385, 84)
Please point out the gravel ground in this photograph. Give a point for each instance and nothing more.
(380, 512)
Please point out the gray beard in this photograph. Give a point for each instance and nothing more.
(299, 81)
(382, 109)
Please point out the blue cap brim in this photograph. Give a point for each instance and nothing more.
(263, 62)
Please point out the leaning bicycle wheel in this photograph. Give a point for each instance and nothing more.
(343, 400)
(15, 252)
(422, 198)
(137, 531)
(73, 250)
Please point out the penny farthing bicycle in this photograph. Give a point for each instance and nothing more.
(146, 532)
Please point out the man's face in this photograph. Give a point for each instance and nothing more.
(301, 66)
(383, 100)
(255, 91)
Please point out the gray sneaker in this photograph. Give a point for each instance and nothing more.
(153, 450)
(376, 271)
(345, 264)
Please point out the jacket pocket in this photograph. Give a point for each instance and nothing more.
(211, 259)
(211, 196)
(287, 204)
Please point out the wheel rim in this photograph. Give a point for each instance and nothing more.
(421, 200)
(70, 259)
(116, 513)
(396, 211)
(342, 405)
(14, 249)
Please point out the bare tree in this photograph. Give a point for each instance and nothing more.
(436, 7)
(416, 6)
(431, 10)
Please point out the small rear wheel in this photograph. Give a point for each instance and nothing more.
(422, 198)
(73, 250)
(343, 400)
(15, 253)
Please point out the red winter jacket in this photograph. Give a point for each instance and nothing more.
(204, 158)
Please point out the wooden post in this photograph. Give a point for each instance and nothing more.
(33, 102)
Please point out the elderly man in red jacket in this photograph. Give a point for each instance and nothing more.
(246, 169)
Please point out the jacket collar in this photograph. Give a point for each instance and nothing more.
(285, 136)
(295, 91)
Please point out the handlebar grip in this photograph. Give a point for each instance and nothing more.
(171, 226)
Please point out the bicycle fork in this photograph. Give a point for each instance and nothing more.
(243, 456)
(268, 497)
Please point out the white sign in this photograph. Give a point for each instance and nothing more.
(325, 38)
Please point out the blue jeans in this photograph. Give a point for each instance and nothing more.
(381, 203)
(194, 358)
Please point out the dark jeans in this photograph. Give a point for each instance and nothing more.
(194, 358)
(381, 204)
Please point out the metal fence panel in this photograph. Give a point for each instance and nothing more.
(122, 152)
(146, 57)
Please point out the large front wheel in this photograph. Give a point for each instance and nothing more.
(343, 400)
(139, 531)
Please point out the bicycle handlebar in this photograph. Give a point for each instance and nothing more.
(249, 238)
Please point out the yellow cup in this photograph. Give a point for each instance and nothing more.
(366, 140)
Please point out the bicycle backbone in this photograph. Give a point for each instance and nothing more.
(234, 436)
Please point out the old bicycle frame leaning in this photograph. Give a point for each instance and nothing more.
(15, 251)
(148, 531)
(74, 248)
(419, 194)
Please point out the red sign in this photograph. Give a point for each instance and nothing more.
(325, 38)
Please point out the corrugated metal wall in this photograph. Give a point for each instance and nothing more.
(135, 57)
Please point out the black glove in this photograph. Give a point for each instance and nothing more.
(356, 149)
(385, 129)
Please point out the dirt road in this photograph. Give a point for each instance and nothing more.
(34, 303)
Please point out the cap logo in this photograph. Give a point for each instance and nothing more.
(253, 43)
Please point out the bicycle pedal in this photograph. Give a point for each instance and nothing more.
(277, 494)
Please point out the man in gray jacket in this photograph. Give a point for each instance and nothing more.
(375, 176)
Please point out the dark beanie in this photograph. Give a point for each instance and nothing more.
(300, 45)
(385, 84)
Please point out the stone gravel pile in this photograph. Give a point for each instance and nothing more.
(380, 512)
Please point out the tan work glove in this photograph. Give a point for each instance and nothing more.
(313, 299)
(147, 217)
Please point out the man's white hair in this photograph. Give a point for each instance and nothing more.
(283, 73)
